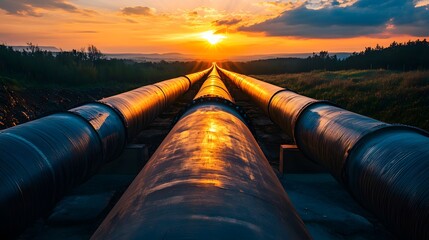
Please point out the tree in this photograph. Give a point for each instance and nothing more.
(32, 48)
(94, 54)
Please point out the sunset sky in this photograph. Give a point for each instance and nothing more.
(213, 28)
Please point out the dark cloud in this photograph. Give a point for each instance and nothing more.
(27, 7)
(227, 22)
(131, 21)
(365, 17)
(138, 10)
(193, 14)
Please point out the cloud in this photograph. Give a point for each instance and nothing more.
(282, 5)
(227, 22)
(138, 10)
(347, 18)
(320, 4)
(422, 3)
(30, 7)
(130, 21)
(193, 14)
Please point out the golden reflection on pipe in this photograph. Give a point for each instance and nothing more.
(214, 87)
(208, 179)
(43, 159)
(385, 166)
(210, 166)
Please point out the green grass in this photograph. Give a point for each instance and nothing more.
(393, 97)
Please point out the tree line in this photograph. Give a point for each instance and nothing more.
(86, 66)
(412, 55)
(91, 66)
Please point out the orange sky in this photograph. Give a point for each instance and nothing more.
(164, 26)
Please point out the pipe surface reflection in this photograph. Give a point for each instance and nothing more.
(384, 166)
(43, 159)
(214, 87)
(208, 180)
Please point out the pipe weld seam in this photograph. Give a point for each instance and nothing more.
(294, 121)
(190, 82)
(100, 140)
(271, 99)
(163, 93)
(121, 116)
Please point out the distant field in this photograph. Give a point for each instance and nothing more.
(394, 97)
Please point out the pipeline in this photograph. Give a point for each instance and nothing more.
(43, 159)
(208, 180)
(139, 107)
(384, 166)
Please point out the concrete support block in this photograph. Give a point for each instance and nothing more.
(131, 161)
(293, 161)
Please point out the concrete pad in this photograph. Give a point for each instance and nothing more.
(79, 208)
(292, 160)
(328, 210)
(131, 161)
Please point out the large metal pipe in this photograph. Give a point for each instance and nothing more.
(384, 166)
(208, 180)
(43, 159)
(214, 87)
(140, 106)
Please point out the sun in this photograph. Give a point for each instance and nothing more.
(212, 37)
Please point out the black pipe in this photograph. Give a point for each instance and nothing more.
(139, 107)
(208, 180)
(384, 166)
(43, 159)
(109, 127)
(39, 162)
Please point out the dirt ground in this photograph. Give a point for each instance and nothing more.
(20, 105)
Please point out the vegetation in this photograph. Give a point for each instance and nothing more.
(85, 67)
(389, 93)
(34, 83)
(390, 96)
(413, 55)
